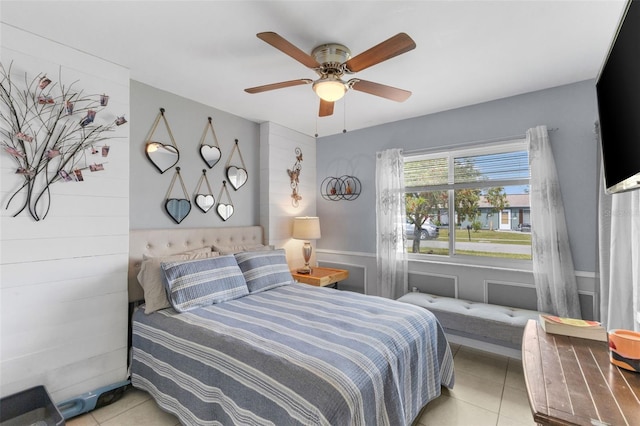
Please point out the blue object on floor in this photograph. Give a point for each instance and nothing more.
(92, 400)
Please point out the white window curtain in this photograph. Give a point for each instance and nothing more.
(619, 258)
(553, 270)
(390, 218)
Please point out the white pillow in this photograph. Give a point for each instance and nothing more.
(205, 249)
(233, 249)
(151, 278)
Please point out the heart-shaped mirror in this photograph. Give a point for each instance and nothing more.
(237, 176)
(225, 210)
(205, 202)
(210, 154)
(178, 208)
(162, 156)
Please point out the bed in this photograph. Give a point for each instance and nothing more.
(256, 348)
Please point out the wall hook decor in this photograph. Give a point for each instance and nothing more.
(237, 176)
(162, 156)
(204, 201)
(225, 210)
(48, 129)
(294, 175)
(210, 153)
(177, 208)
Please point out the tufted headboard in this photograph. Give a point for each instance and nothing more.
(162, 242)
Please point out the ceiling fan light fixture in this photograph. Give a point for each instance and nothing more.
(332, 61)
(330, 89)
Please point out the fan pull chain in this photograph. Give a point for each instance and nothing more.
(344, 115)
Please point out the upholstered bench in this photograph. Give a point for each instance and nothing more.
(493, 324)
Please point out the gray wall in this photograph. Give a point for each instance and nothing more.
(571, 109)
(348, 227)
(187, 120)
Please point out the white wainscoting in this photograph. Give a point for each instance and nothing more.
(448, 284)
(472, 282)
(63, 292)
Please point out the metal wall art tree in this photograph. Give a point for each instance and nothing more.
(50, 132)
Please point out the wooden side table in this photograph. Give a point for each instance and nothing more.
(570, 381)
(322, 277)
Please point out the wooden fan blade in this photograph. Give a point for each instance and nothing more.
(284, 46)
(377, 89)
(396, 45)
(326, 108)
(280, 85)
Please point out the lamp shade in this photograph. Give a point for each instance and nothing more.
(306, 228)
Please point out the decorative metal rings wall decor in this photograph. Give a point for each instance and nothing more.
(340, 188)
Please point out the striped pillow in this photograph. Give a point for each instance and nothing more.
(196, 283)
(264, 270)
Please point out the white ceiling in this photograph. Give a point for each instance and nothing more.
(467, 51)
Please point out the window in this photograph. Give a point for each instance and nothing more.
(472, 201)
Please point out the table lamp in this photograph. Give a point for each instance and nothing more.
(306, 228)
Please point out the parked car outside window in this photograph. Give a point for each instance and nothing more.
(524, 227)
(428, 231)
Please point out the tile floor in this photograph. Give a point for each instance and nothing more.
(489, 390)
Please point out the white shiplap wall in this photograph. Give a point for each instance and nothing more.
(63, 291)
(277, 154)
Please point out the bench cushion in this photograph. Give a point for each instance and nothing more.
(482, 321)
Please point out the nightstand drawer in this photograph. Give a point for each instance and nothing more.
(321, 276)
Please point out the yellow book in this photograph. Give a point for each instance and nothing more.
(573, 327)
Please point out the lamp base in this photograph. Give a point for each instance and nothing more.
(306, 254)
(305, 270)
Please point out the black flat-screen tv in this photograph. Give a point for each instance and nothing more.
(618, 93)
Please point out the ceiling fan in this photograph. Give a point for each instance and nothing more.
(332, 61)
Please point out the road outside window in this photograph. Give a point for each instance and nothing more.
(471, 202)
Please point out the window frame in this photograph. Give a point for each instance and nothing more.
(467, 150)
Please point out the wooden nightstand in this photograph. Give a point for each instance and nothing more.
(322, 277)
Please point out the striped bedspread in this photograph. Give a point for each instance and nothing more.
(293, 355)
